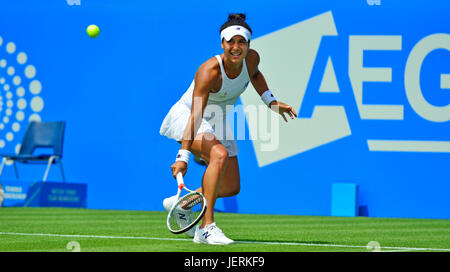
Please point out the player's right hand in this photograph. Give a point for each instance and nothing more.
(179, 166)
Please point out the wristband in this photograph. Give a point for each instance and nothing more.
(267, 97)
(183, 155)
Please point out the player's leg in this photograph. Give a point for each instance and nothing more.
(231, 183)
(206, 146)
(216, 155)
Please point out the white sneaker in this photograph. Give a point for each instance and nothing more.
(183, 217)
(212, 235)
(168, 202)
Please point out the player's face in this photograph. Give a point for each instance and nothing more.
(235, 49)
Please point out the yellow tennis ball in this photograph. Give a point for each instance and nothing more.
(93, 31)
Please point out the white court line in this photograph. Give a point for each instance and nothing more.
(400, 250)
(347, 246)
(240, 242)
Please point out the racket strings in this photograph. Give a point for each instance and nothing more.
(190, 202)
(186, 212)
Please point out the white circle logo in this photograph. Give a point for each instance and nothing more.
(20, 93)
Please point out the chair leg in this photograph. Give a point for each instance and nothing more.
(62, 171)
(50, 162)
(15, 170)
(2, 195)
(2, 166)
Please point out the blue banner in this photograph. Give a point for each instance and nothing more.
(56, 194)
(14, 193)
(370, 80)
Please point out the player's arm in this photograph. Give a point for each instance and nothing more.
(204, 82)
(205, 78)
(256, 77)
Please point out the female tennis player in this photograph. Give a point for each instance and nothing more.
(218, 82)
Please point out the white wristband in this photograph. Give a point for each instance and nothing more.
(267, 97)
(183, 155)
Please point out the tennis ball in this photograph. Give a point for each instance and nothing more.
(93, 31)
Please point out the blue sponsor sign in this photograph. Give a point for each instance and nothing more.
(15, 192)
(370, 80)
(56, 194)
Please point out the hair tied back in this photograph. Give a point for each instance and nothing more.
(236, 16)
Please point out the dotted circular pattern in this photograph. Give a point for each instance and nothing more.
(20, 93)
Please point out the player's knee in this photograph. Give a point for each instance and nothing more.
(230, 190)
(219, 155)
(235, 190)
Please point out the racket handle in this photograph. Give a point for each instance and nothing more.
(180, 180)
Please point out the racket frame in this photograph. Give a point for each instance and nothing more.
(181, 186)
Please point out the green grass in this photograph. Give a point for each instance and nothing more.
(134, 231)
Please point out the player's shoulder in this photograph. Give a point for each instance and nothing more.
(252, 58)
(252, 55)
(209, 70)
(211, 65)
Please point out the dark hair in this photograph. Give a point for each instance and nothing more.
(236, 19)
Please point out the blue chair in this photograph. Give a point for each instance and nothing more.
(49, 135)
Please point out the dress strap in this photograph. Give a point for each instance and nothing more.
(222, 70)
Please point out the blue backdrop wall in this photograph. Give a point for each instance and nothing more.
(381, 68)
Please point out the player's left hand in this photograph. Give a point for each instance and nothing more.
(283, 108)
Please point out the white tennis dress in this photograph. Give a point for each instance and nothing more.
(214, 117)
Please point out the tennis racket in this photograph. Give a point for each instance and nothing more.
(187, 210)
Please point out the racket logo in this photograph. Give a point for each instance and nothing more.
(182, 216)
